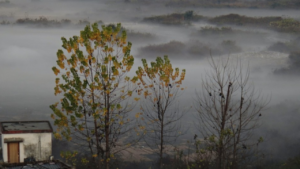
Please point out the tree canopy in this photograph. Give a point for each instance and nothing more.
(160, 83)
(94, 88)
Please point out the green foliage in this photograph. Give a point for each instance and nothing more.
(162, 71)
(69, 157)
(93, 86)
(160, 83)
(286, 25)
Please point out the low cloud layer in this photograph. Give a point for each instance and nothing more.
(27, 55)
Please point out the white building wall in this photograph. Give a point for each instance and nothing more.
(30, 145)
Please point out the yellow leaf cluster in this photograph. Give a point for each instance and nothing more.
(146, 93)
(81, 69)
(129, 93)
(61, 64)
(109, 57)
(56, 81)
(56, 90)
(69, 48)
(57, 135)
(55, 70)
(182, 76)
(176, 74)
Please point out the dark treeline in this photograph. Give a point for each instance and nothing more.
(253, 4)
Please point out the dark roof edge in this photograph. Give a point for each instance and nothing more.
(27, 131)
(33, 131)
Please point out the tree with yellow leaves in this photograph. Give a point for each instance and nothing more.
(93, 110)
(160, 84)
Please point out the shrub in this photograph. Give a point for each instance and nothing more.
(175, 18)
(43, 22)
(294, 58)
(140, 36)
(286, 47)
(210, 30)
(229, 46)
(286, 25)
(244, 20)
(4, 23)
(293, 68)
(188, 15)
(173, 47)
(200, 49)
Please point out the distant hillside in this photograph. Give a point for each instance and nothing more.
(273, 4)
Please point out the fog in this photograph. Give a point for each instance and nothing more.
(28, 52)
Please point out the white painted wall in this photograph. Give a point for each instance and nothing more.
(30, 145)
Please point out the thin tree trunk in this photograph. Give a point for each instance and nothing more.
(107, 146)
(107, 150)
(220, 157)
(161, 143)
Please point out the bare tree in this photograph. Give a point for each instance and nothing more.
(160, 84)
(229, 109)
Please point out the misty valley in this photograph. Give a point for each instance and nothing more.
(166, 84)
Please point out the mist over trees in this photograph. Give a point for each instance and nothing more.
(229, 110)
(142, 131)
(94, 112)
